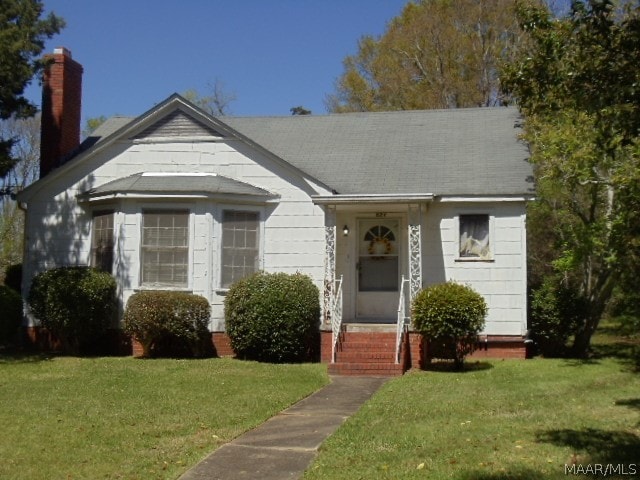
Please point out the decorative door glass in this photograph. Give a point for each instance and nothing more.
(378, 256)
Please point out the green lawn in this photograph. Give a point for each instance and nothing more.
(123, 418)
(500, 420)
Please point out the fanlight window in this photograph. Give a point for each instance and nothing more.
(379, 240)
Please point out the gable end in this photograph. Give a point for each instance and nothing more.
(177, 125)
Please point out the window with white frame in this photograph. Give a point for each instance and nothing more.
(240, 245)
(102, 241)
(165, 248)
(474, 237)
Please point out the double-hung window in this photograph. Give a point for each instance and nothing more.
(165, 248)
(474, 237)
(102, 241)
(240, 245)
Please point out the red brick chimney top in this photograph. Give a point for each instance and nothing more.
(61, 109)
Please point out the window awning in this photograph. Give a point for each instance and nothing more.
(178, 185)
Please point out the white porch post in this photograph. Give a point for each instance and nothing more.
(415, 251)
(329, 263)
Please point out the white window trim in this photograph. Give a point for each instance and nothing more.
(217, 230)
(492, 237)
(150, 207)
(102, 210)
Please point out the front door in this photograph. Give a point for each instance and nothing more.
(378, 269)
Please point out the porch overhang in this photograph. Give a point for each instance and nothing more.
(371, 198)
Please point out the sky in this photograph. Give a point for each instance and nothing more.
(271, 54)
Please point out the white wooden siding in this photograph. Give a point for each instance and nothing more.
(292, 236)
(502, 280)
(292, 231)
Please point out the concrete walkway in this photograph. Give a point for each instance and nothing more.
(284, 446)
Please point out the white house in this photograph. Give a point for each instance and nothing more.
(372, 206)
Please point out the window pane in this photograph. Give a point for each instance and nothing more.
(474, 236)
(165, 248)
(378, 274)
(102, 241)
(239, 245)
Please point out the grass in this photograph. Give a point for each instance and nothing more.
(124, 418)
(498, 420)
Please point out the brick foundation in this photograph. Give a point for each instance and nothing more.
(40, 339)
(136, 348)
(325, 346)
(415, 351)
(499, 347)
(113, 342)
(222, 344)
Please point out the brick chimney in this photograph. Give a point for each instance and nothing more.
(61, 105)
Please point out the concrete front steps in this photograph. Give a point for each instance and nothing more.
(367, 353)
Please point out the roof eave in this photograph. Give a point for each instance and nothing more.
(105, 197)
(371, 198)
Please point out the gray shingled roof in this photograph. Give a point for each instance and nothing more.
(108, 127)
(473, 151)
(178, 184)
(466, 151)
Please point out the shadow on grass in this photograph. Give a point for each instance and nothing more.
(11, 358)
(512, 474)
(449, 366)
(611, 341)
(602, 446)
(627, 351)
(631, 403)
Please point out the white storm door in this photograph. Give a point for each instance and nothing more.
(378, 268)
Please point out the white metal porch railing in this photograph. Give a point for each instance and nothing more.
(401, 325)
(336, 317)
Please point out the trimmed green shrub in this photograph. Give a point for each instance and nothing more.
(556, 312)
(75, 304)
(169, 323)
(273, 317)
(11, 308)
(450, 314)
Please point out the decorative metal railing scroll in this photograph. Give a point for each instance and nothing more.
(329, 271)
(336, 318)
(415, 260)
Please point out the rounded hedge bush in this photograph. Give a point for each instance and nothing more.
(75, 304)
(11, 317)
(452, 314)
(273, 317)
(169, 323)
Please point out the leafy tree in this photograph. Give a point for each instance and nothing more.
(216, 103)
(576, 80)
(436, 54)
(22, 36)
(26, 149)
(92, 124)
(299, 110)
